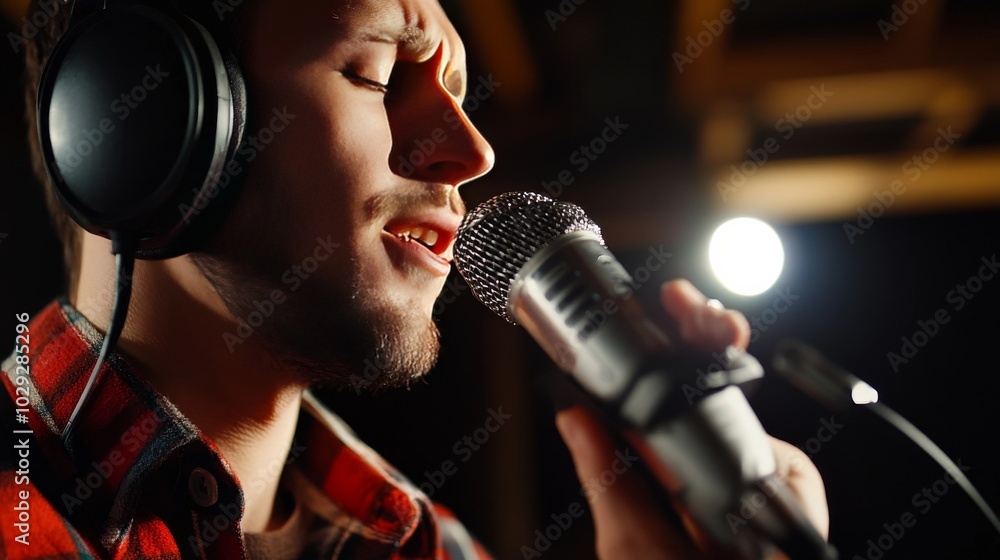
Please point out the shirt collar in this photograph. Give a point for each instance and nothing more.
(129, 439)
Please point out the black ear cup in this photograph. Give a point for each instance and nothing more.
(138, 111)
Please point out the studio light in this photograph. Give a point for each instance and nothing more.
(746, 256)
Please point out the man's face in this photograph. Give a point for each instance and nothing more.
(372, 169)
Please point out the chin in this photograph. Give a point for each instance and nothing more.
(374, 339)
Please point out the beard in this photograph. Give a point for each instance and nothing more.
(366, 341)
(342, 334)
(350, 336)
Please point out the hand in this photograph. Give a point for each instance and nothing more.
(629, 524)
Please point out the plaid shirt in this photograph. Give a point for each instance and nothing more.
(141, 481)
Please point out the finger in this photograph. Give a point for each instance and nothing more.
(627, 521)
(708, 326)
(804, 480)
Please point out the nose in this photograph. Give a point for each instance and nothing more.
(463, 156)
(434, 141)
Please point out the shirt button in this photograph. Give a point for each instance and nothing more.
(203, 488)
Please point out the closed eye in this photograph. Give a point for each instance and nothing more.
(372, 84)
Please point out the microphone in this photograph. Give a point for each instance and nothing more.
(543, 264)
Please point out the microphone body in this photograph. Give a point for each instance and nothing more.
(576, 300)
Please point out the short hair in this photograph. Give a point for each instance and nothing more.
(228, 27)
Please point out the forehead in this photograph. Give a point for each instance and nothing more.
(280, 34)
(419, 27)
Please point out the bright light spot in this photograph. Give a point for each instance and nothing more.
(863, 393)
(746, 256)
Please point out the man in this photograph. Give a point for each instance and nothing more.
(201, 446)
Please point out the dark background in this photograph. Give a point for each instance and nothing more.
(657, 185)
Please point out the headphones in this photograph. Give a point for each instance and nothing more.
(140, 108)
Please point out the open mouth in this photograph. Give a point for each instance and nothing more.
(427, 237)
(427, 243)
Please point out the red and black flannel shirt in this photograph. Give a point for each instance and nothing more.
(143, 482)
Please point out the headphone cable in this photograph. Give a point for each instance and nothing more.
(124, 252)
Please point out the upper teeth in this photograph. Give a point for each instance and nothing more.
(428, 236)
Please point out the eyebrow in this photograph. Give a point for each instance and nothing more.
(413, 40)
(415, 43)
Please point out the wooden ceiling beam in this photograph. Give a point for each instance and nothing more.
(835, 188)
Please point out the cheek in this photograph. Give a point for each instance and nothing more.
(334, 153)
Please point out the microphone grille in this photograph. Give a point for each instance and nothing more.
(500, 235)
